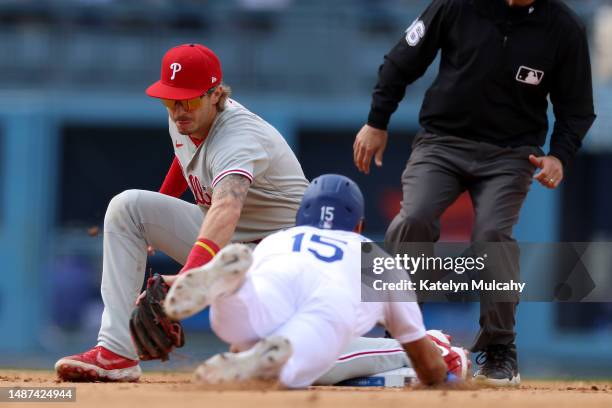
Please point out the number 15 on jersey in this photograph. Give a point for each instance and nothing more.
(324, 248)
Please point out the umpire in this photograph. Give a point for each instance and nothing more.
(484, 121)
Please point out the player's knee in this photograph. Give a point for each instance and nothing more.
(120, 205)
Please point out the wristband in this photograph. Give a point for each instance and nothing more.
(202, 252)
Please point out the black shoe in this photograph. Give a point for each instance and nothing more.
(498, 366)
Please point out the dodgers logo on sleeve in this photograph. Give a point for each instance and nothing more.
(415, 32)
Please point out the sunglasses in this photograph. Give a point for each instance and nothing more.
(188, 104)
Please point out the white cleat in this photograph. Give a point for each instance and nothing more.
(262, 362)
(197, 288)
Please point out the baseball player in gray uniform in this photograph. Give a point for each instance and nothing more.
(247, 184)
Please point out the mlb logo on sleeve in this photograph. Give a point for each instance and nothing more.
(529, 76)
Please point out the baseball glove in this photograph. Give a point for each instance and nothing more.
(153, 333)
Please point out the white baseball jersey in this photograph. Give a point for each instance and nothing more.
(240, 142)
(336, 256)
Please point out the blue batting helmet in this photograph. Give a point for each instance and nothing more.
(331, 201)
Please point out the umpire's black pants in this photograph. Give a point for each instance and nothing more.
(497, 178)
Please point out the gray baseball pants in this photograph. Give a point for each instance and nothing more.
(498, 179)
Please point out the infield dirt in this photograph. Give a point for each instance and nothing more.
(174, 390)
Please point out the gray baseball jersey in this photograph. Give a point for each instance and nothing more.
(240, 142)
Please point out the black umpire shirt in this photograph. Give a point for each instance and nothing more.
(498, 65)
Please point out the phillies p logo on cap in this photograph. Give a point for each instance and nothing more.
(175, 67)
(187, 71)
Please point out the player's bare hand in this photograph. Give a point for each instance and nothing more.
(369, 142)
(140, 297)
(150, 250)
(169, 279)
(551, 170)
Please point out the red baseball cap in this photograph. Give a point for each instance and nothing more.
(187, 71)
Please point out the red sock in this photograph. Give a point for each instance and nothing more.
(202, 252)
